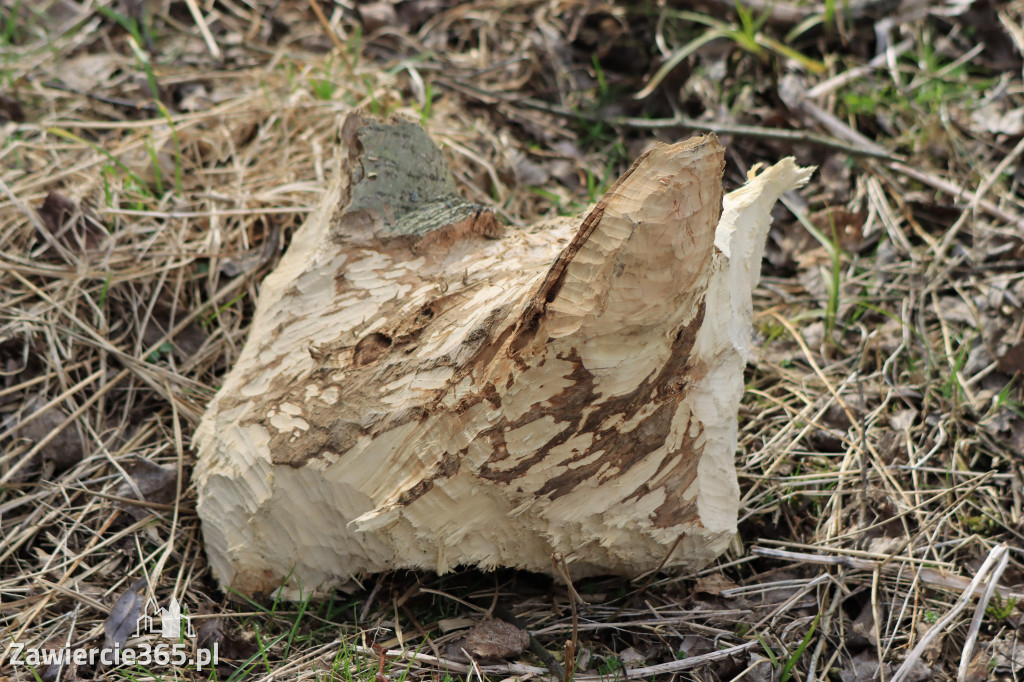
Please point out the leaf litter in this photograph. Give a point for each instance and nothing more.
(883, 425)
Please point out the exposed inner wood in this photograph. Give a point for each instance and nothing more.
(421, 389)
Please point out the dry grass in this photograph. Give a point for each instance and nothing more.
(881, 434)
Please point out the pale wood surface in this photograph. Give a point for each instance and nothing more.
(421, 389)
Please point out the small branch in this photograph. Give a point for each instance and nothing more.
(520, 669)
(322, 18)
(677, 666)
(979, 615)
(788, 15)
(574, 598)
(197, 15)
(736, 129)
(369, 603)
(148, 107)
(998, 555)
(929, 576)
(939, 261)
(839, 80)
(799, 102)
(570, 660)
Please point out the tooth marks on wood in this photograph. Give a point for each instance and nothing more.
(421, 390)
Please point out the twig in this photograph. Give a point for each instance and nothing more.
(686, 619)
(27, 618)
(301, 661)
(842, 130)
(787, 15)
(574, 597)
(211, 44)
(570, 659)
(679, 121)
(939, 260)
(408, 655)
(826, 624)
(996, 556)
(113, 101)
(876, 616)
(315, 5)
(520, 669)
(420, 629)
(839, 80)
(167, 215)
(929, 576)
(677, 666)
(792, 601)
(979, 615)
(478, 609)
(654, 571)
(369, 602)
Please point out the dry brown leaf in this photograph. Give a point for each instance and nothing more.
(155, 483)
(494, 639)
(123, 620)
(1012, 361)
(61, 453)
(714, 584)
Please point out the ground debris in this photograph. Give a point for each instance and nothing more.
(882, 422)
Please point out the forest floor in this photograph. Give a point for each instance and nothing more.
(157, 155)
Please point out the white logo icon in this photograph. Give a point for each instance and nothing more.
(165, 621)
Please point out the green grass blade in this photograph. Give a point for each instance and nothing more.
(787, 672)
(68, 135)
(676, 59)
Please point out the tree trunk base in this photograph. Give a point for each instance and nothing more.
(423, 390)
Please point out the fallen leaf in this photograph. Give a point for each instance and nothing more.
(631, 658)
(92, 72)
(955, 309)
(232, 645)
(185, 344)
(414, 13)
(61, 453)
(994, 118)
(1012, 361)
(210, 632)
(1001, 655)
(528, 172)
(979, 666)
(714, 584)
(66, 221)
(862, 668)
(123, 620)
(375, 15)
(49, 672)
(760, 669)
(56, 211)
(842, 225)
(836, 177)
(494, 639)
(863, 633)
(902, 420)
(10, 109)
(154, 482)
(253, 258)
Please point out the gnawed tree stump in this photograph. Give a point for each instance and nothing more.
(420, 390)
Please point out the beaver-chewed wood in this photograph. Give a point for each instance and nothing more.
(423, 389)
